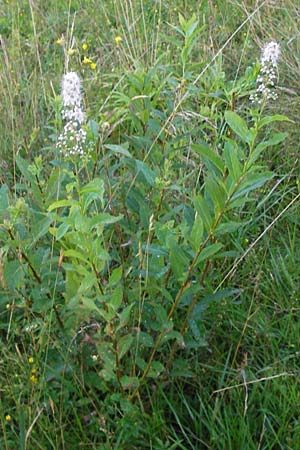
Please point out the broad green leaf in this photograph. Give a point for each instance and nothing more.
(228, 227)
(232, 162)
(75, 254)
(40, 229)
(146, 171)
(95, 186)
(178, 259)
(87, 283)
(173, 335)
(238, 125)
(116, 297)
(124, 316)
(203, 212)
(124, 344)
(208, 252)
(216, 192)
(94, 126)
(61, 231)
(205, 301)
(274, 140)
(269, 119)
(156, 369)
(115, 276)
(94, 190)
(120, 149)
(14, 274)
(3, 197)
(24, 168)
(62, 204)
(104, 219)
(196, 233)
(251, 182)
(129, 383)
(145, 339)
(207, 153)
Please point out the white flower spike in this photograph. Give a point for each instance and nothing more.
(265, 89)
(71, 140)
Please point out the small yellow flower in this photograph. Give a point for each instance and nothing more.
(59, 41)
(33, 371)
(33, 379)
(93, 66)
(8, 418)
(7, 306)
(31, 360)
(86, 60)
(71, 51)
(84, 46)
(118, 40)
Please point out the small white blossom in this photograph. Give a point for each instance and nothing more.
(265, 83)
(71, 140)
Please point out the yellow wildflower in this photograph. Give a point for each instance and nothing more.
(8, 418)
(84, 46)
(33, 379)
(118, 40)
(71, 51)
(93, 66)
(31, 360)
(33, 371)
(86, 60)
(59, 41)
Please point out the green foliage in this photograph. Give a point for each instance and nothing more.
(110, 262)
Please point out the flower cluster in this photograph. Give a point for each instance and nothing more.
(265, 89)
(71, 140)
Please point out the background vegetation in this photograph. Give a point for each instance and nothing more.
(150, 291)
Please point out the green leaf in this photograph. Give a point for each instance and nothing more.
(228, 227)
(62, 203)
(208, 252)
(203, 212)
(24, 168)
(156, 369)
(216, 191)
(251, 182)
(277, 138)
(14, 274)
(40, 229)
(115, 276)
(124, 316)
(95, 186)
(178, 258)
(87, 283)
(61, 231)
(3, 197)
(75, 254)
(232, 162)
(120, 149)
(238, 125)
(116, 298)
(129, 383)
(146, 171)
(269, 119)
(145, 339)
(196, 233)
(94, 126)
(104, 219)
(207, 153)
(124, 344)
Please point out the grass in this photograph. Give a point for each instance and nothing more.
(238, 388)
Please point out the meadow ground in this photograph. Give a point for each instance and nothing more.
(150, 286)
